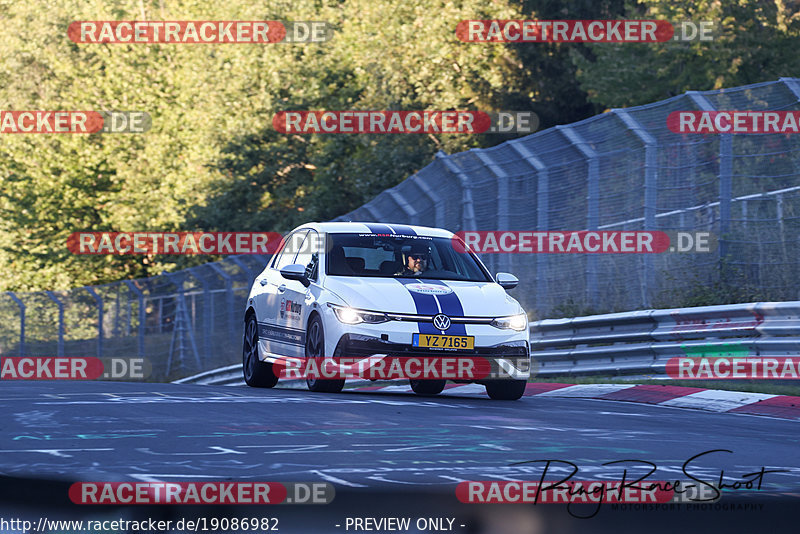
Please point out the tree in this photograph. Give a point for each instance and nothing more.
(405, 56)
(754, 41)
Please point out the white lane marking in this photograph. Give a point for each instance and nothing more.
(624, 413)
(54, 452)
(157, 477)
(335, 480)
(396, 389)
(493, 446)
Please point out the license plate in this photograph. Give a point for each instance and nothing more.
(438, 341)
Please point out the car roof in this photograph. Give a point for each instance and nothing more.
(375, 228)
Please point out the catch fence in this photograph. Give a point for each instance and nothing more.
(625, 170)
(621, 170)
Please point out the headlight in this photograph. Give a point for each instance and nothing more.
(517, 322)
(353, 316)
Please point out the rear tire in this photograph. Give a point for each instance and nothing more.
(257, 374)
(506, 389)
(315, 348)
(427, 388)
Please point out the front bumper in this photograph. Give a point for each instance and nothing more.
(508, 360)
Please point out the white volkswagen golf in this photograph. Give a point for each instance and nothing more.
(363, 292)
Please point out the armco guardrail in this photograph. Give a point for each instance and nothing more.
(643, 341)
(638, 341)
(230, 375)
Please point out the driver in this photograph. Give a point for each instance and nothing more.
(416, 259)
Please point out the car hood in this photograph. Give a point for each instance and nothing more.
(426, 297)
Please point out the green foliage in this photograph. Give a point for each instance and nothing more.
(212, 161)
(728, 286)
(754, 41)
(271, 181)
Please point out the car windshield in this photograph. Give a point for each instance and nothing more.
(401, 256)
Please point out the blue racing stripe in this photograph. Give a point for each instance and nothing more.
(402, 229)
(451, 306)
(425, 305)
(377, 228)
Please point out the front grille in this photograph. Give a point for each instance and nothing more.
(415, 318)
(353, 345)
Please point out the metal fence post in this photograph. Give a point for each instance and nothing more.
(99, 302)
(141, 328)
(181, 324)
(399, 199)
(21, 305)
(468, 212)
(779, 217)
(208, 310)
(650, 195)
(502, 201)
(115, 330)
(793, 86)
(228, 297)
(60, 351)
(438, 211)
(251, 274)
(592, 204)
(542, 219)
(725, 190)
(725, 175)
(374, 213)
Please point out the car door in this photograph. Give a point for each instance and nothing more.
(273, 323)
(296, 298)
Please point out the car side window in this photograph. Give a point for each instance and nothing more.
(313, 267)
(274, 260)
(276, 257)
(289, 250)
(307, 255)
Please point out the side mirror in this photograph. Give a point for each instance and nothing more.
(507, 280)
(296, 272)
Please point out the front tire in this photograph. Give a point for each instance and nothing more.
(506, 389)
(257, 374)
(427, 388)
(315, 348)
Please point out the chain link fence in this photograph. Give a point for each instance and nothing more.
(621, 170)
(625, 170)
(183, 322)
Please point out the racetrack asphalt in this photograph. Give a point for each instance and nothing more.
(105, 431)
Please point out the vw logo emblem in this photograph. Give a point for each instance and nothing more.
(441, 321)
